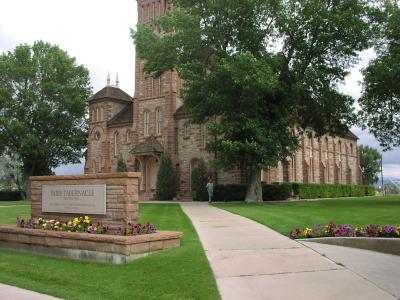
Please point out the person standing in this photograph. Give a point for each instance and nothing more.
(210, 190)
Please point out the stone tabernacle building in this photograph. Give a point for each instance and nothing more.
(154, 122)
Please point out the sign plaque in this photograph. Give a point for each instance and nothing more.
(81, 199)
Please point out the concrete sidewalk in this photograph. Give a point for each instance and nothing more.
(380, 268)
(15, 293)
(251, 261)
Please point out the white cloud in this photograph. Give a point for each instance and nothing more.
(96, 32)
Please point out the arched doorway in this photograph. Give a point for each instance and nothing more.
(137, 167)
(193, 165)
(152, 166)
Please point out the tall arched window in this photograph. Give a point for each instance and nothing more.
(128, 136)
(293, 166)
(146, 123)
(326, 149)
(186, 130)
(204, 135)
(158, 121)
(116, 134)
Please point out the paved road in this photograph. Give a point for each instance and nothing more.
(380, 268)
(251, 261)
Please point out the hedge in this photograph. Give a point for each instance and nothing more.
(313, 191)
(10, 195)
(229, 192)
(283, 191)
(273, 192)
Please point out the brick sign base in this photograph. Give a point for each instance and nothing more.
(121, 208)
(121, 197)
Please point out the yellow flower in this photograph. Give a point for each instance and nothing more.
(86, 217)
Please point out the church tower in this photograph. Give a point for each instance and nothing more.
(156, 100)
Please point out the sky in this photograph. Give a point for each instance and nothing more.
(97, 34)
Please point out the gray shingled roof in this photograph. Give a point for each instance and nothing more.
(181, 112)
(150, 145)
(123, 117)
(111, 92)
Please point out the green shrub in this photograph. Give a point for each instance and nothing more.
(285, 190)
(166, 180)
(369, 190)
(199, 182)
(280, 191)
(313, 191)
(10, 196)
(121, 166)
(230, 192)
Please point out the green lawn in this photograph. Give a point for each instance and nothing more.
(286, 216)
(181, 273)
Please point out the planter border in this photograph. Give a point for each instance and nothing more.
(378, 244)
(85, 246)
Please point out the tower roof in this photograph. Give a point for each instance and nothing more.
(125, 116)
(111, 92)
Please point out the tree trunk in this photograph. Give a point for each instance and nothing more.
(254, 189)
(28, 188)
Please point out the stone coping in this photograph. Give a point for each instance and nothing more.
(108, 238)
(86, 176)
(378, 244)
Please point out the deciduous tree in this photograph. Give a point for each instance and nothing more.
(43, 107)
(380, 102)
(370, 162)
(255, 69)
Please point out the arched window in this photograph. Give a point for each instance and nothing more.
(204, 135)
(158, 121)
(310, 143)
(186, 130)
(293, 166)
(326, 149)
(146, 123)
(340, 150)
(116, 134)
(128, 136)
(351, 149)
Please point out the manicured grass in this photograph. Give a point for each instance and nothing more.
(181, 273)
(9, 210)
(284, 217)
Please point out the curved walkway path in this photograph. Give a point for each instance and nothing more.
(14, 293)
(251, 261)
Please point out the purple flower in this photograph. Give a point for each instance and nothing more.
(346, 230)
(389, 231)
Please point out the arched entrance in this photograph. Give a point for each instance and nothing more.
(152, 166)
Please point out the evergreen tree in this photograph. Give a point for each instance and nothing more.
(199, 182)
(166, 179)
(121, 166)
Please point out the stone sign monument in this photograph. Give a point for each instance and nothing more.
(108, 198)
(80, 199)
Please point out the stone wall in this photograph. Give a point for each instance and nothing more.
(328, 159)
(121, 197)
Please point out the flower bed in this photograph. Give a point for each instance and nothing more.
(345, 230)
(84, 225)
